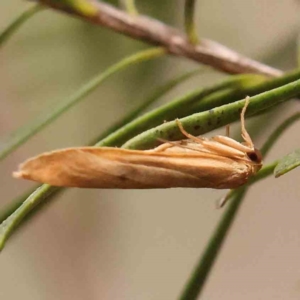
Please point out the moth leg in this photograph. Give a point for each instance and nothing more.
(212, 146)
(166, 145)
(180, 144)
(186, 134)
(162, 147)
(245, 134)
(215, 146)
(231, 143)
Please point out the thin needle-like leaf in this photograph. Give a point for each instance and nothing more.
(189, 21)
(196, 283)
(193, 102)
(18, 22)
(47, 192)
(278, 132)
(5, 232)
(21, 212)
(267, 146)
(198, 278)
(159, 92)
(23, 134)
(130, 7)
(288, 163)
(203, 122)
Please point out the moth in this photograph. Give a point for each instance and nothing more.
(197, 162)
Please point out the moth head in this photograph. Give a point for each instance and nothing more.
(255, 156)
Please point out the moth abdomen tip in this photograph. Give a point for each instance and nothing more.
(18, 174)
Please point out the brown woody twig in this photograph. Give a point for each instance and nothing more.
(157, 33)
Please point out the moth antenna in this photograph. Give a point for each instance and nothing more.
(245, 134)
(186, 134)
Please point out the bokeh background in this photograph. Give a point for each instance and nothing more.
(97, 244)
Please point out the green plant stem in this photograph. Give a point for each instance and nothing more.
(130, 7)
(189, 21)
(27, 131)
(272, 139)
(37, 197)
(18, 22)
(33, 200)
(288, 163)
(199, 277)
(196, 283)
(180, 107)
(278, 132)
(43, 198)
(11, 207)
(206, 121)
(159, 92)
(248, 88)
(83, 7)
(264, 172)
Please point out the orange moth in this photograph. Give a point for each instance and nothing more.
(218, 162)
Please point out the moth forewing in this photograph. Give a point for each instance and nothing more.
(220, 163)
(130, 169)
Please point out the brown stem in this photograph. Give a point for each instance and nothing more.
(157, 33)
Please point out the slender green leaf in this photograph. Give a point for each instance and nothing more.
(264, 151)
(228, 95)
(18, 22)
(28, 205)
(11, 207)
(46, 193)
(84, 7)
(206, 121)
(193, 102)
(196, 283)
(189, 20)
(25, 132)
(158, 92)
(278, 132)
(288, 163)
(197, 280)
(130, 7)
(264, 172)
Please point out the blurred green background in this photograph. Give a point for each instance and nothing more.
(97, 244)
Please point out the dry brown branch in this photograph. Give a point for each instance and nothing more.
(157, 33)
